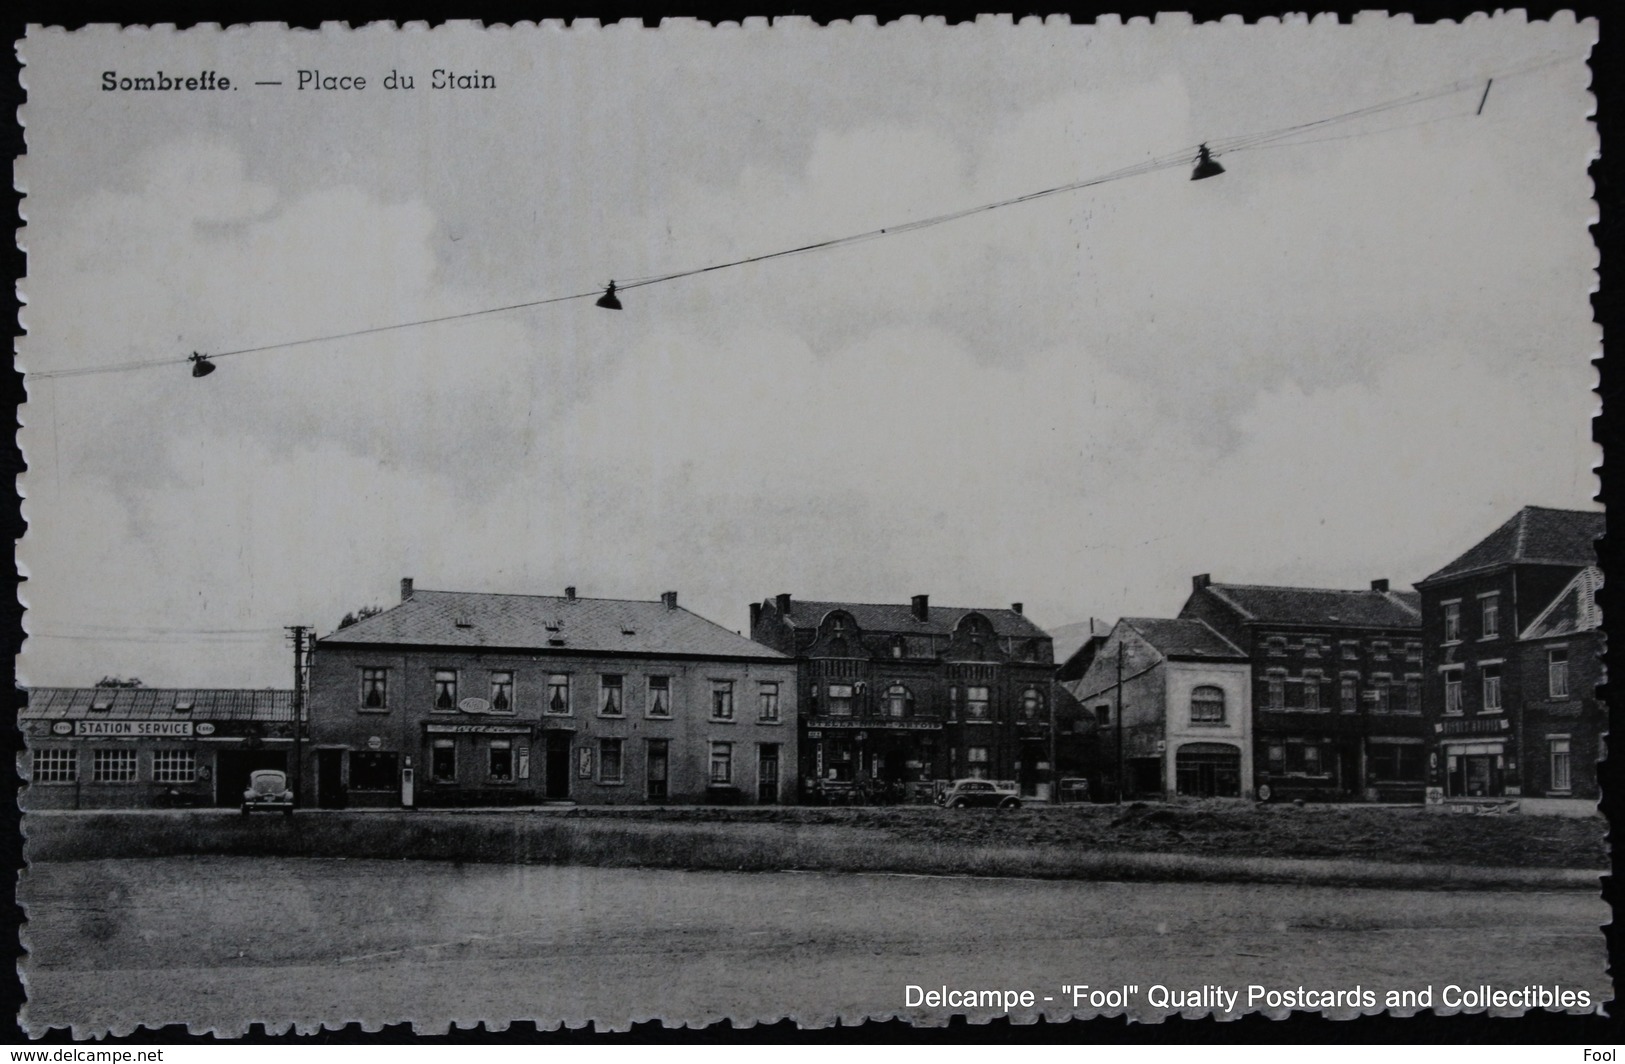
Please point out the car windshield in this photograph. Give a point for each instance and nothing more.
(268, 782)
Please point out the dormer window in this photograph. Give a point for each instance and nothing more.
(102, 701)
(183, 703)
(463, 622)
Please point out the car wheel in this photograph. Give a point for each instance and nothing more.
(960, 803)
(1010, 803)
(245, 810)
(1264, 792)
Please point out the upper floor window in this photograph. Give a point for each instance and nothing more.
(976, 703)
(767, 698)
(1032, 704)
(1413, 650)
(1275, 646)
(502, 692)
(610, 703)
(840, 700)
(1349, 649)
(1380, 687)
(1103, 714)
(897, 646)
(659, 696)
(558, 694)
(897, 701)
(1557, 672)
(1379, 650)
(1413, 695)
(1492, 689)
(1452, 692)
(375, 688)
(1452, 622)
(722, 700)
(1491, 607)
(1311, 690)
(1275, 690)
(1311, 648)
(1207, 705)
(1348, 694)
(445, 688)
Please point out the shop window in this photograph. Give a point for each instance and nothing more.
(976, 761)
(1276, 758)
(1492, 689)
(767, 701)
(656, 769)
(174, 766)
(1452, 622)
(977, 705)
(55, 765)
(1392, 762)
(500, 760)
(502, 692)
(722, 700)
(113, 766)
(445, 689)
(558, 694)
(609, 696)
(1558, 748)
(722, 762)
(443, 761)
(1207, 705)
(840, 700)
(609, 761)
(1452, 692)
(1491, 609)
(372, 770)
(659, 696)
(374, 688)
(1557, 672)
(1304, 759)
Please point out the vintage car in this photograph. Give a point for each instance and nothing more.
(965, 794)
(268, 792)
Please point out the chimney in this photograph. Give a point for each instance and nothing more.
(922, 607)
(1201, 581)
(570, 594)
(406, 588)
(669, 598)
(782, 600)
(755, 616)
(1016, 606)
(1379, 585)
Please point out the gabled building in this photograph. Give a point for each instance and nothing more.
(909, 693)
(122, 747)
(1511, 633)
(453, 698)
(1336, 686)
(1172, 705)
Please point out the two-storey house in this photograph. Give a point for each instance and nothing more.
(1337, 686)
(1497, 725)
(471, 698)
(904, 694)
(1171, 701)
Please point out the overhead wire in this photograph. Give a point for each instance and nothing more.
(1280, 137)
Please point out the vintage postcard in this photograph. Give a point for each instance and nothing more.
(609, 523)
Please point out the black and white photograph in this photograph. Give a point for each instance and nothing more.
(591, 524)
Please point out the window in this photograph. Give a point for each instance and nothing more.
(976, 703)
(1491, 606)
(1348, 694)
(1103, 714)
(609, 761)
(502, 692)
(976, 762)
(1379, 650)
(1557, 672)
(897, 646)
(1304, 759)
(1207, 705)
(722, 762)
(443, 761)
(1311, 690)
(1275, 646)
(1394, 762)
(1275, 690)
(113, 766)
(56, 766)
(1349, 649)
(655, 769)
(840, 700)
(1277, 758)
(501, 760)
(722, 700)
(1380, 685)
(102, 701)
(659, 697)
(558, 694)
(445, 689)
(1413, 651)
(373, 771)
(1492, 689)
(767, 700)
(1559, 749)
(1413, 695)
(609, 696)
(374, 688)
(1452, 692)
(1032, 704)
(1452, 622)
(1311, 648)
(174, 766)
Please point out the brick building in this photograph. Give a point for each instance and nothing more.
(1172, 702)
(131, 747)
(908, 693)
(470, 698)
(1336, 686)
(1511, 636)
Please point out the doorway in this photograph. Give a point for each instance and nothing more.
(558, 765)
(330, 779)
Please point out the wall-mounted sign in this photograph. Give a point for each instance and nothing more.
(477, 729)
(205, 728)
(133, 729)
(374, 743)
(885, 724)
(474, 705)
(62, 727)
(584, 762)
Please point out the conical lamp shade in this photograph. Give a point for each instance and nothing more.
(608, 300)
(1205, 166)
(201, 367)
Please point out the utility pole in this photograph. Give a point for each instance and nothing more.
(1119, 722)
(298, 632)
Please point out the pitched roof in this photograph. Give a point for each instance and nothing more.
(548, 622)
(1178, 638)
(1573, 610)
(899, 617)
(1322, 606)
(1534, 535)
(156, 703)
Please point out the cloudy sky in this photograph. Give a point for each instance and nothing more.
(1351, 356)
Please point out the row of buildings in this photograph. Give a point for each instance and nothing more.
(1479, 684)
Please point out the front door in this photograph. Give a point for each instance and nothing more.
(767, 774)
(558, 765)
(330, 779)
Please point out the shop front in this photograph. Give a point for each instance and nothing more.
(871, 759)
(475, 764)
(1476, 758)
